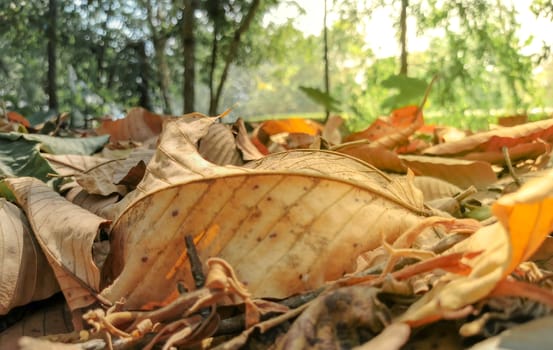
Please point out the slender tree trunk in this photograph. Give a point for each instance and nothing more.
(160, 43)
(232, 51)
(144, 69)
(163, 72)
(189, 45)
(403, 37)
(325, 58)
(51, 88)
(212, 66)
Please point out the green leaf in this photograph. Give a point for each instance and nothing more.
(321, 98)
(21, 157)
(409, 91)
(60, 145)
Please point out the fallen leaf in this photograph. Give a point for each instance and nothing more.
(45, 319)
(342, 319)
(219, 147)
(65, 232)
(495, 140)
(294, 125)
(18, 118)
(289, 222)
(69, 164)
(434, 188)
(331, 131)
(115, 176)
(462, 173)
(525, 220)
(512, 120)
(138, 125)
(380, 157)
(243, 142)
(25, 275)
(393, 131)
(518, 152)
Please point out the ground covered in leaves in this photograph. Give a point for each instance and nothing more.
(158, 231)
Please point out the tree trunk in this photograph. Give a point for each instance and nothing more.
(212, 66)
(189, 46)
(160, 43)
(163, 72)
(325, 58)
(403, 37)
(51, 87)
(143, 69)
(231, 54)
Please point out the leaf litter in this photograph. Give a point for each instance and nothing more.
(201, 241)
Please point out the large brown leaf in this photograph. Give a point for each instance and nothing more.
(65, 233)
(25, 275)
(283, 231)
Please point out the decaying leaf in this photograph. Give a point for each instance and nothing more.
(25, 275)
(115, 176)
(494, 140)
(525, 219)
(462, 173)
(291, 223)
(243, 142)
(45, 319)
(65, 232)
(138, 125)
(219, 147)
(434, 188)
(343, 318)
(68, 164)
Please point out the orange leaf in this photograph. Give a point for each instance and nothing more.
(139, 125)
(294, 125)
(403, 117)
(18, 118)
(380, 127)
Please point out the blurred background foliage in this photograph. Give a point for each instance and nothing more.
(94, 58)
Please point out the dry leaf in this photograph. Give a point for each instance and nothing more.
(25, 275)
(47, 318)
(518, 152)
(392, 131)
(138, 125)
(289, 222)
(341, 319)
(243, 142)
(525, 220)
(294, 125)
(462, 173)
(69, 164)
(494, 140)
(434, 188)
(219, 147)
(380, 157)
(115, 176)
(65, 233)
(94, 203)
(331, 131)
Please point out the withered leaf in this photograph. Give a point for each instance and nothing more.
(25, 275)
(290, 223)
(65, 233)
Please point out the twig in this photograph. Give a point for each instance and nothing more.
(507, 157)
(195, 263)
